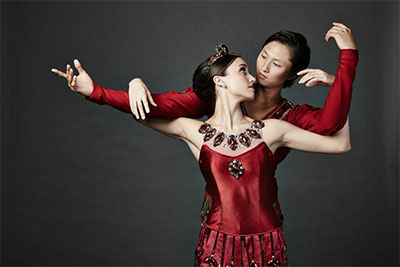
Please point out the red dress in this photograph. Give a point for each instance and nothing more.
(240, 223)
(326, 120)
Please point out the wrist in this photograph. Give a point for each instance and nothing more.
(95, 92)
(349, 48)
(87, 91)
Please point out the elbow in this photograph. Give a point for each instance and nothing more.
(346, 147)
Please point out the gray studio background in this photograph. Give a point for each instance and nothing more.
(84, 184)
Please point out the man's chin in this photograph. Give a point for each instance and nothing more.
(261, 83)
(265, 85)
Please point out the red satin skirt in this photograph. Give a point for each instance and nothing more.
(215, 248)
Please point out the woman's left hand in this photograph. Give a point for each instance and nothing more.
(316, 77)
(139, 96)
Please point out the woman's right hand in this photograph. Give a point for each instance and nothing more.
(342, 35)
(139, 96)
(81, 84)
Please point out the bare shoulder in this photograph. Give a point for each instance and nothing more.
(272, 124)
(277, 124)
(274, 128)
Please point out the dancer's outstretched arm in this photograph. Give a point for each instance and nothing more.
(184, 129)
(169, 105)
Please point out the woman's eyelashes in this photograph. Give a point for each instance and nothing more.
(243, 70)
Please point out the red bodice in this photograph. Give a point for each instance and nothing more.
(243, 205)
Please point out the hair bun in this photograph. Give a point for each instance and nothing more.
(221, 49)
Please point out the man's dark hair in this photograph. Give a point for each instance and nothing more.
(300, 51)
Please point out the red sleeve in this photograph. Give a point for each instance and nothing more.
(115, 98)
(170, 105)
(332, 117)
(174, 104)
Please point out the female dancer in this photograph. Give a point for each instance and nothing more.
(279, 62)
(240, 226)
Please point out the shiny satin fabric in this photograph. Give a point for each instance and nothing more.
(243, 205)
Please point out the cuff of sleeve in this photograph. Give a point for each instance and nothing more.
(348, 55)
(96, 93)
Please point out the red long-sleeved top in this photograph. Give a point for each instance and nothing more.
(326, 120)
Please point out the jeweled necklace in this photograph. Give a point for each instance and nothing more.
(235, 167)
(233, 140)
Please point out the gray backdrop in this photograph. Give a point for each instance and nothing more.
(84, 184)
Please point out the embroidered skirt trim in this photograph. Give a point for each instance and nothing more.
(220, 249)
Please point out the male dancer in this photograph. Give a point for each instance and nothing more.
(283, 57)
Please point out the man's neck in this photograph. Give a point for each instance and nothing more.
(266, 99)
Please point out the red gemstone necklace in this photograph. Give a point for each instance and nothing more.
(233, 140)
(245, 138)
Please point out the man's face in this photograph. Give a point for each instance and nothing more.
(274, 65)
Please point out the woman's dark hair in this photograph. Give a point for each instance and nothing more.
(300, 51)
(215, 65)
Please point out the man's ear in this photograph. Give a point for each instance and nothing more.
(293, 76)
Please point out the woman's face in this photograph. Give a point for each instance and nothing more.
(274, 65)
(239, 81)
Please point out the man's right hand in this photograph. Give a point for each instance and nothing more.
(342, 35)
(81, 84)
(139, 96)
(316, 77)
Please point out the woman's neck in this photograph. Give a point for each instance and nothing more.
(228, 116)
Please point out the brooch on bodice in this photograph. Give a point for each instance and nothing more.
(235, 167)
